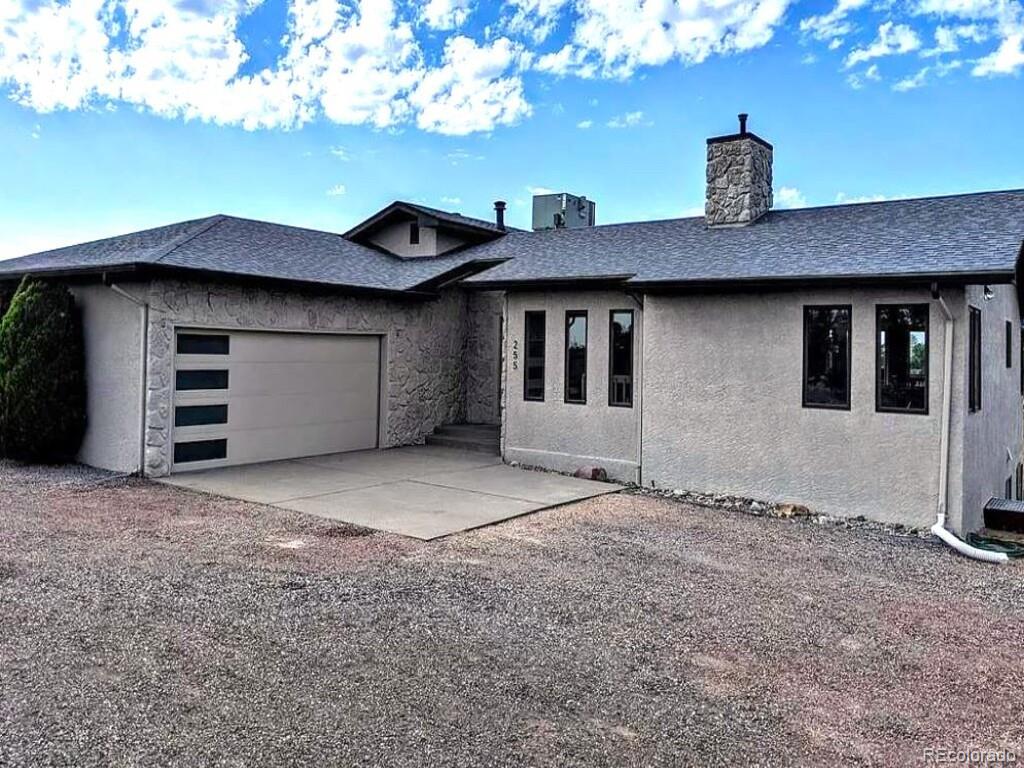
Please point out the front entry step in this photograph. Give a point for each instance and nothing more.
(482, 438)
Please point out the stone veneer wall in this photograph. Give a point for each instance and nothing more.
(425, 345)
(739, 181)
(482, 358)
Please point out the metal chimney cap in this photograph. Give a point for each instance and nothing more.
(743, 122)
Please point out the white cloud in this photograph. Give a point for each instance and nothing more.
(892, 39)
(614, 38)
(451, 200)
(790, 197)
(445, 14)
(584, 124)
(340, 152)
(472, 90)
(1007, 59)
(540, 191)
(337, 190)
(627, 120)
(872, 73)
(947, 39)
(913, 81)
(37, 131)
(353, 62)
(535, 18)
(833, 25)
(843, 199)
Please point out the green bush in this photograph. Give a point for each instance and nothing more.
(6, 294)
(42, 375)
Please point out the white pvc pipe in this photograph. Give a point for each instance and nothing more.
(939, 529)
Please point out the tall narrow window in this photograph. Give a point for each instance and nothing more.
(902, 357)
(1009, 344)
(533, 370)
(1020, 482)
(620, 363)
(827, 357)
(974, 361)
(414, 233)
(576, 356)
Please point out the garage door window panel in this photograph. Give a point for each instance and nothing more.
(192, 380)
(200, 450)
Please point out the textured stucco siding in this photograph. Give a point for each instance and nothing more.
(423, 342)
(433, 241)
(565, 436)
(112, 327)
(991, 436)
(483, 356)
(723, 408)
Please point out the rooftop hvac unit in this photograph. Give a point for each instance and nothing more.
(562, 211)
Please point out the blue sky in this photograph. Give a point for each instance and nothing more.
(123, 114)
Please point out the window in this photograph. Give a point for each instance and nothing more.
(902, 358)
(1009, 344)
(827, 357)
(203, 344)
(1022, 361)
(620, 358)
(576, 356)
(186, 380)
(1008, 490)
(533, 371)
(974, 361)
(200, 415)
(414, 233)
(200, 450)
(1020, 482)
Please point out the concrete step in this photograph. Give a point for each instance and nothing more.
(466, 443)
(486, 431)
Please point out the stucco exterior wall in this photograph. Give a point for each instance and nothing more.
(991, 436)
(565, 436)
(723, 408)
(433, 242)
(482, 359)
(423, 341)
(112, 327)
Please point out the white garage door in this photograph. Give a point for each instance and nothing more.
(244, 397)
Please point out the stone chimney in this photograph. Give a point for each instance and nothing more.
(739, 178)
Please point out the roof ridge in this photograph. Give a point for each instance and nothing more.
(164, 251)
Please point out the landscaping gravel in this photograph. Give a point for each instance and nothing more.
(144, 625)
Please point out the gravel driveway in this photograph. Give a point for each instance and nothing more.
(146, 625)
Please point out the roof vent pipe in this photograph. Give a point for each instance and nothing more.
(499, 213)
(743, 123)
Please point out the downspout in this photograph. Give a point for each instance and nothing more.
(640, 392)
(144, 310)
(939, 529)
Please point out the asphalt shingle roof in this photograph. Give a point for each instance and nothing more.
(964, 234)
(974, 233)
(227, 244)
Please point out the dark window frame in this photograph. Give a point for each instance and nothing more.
(974, 359)
(183, 372)
(849, 359)
(927, 360)
(183, 447)
(1009, 344)
(220, 341)
(576, 313)
(1020, 481)
(414, 233)
(611, 355)
(526, 355)
(183, 415)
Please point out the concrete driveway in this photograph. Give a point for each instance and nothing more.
(421, 491)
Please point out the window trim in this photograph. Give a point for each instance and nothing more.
(569, 313)
(879, 408)
(974, 359)
(526, 355)
(632, 354)
(849, 360)
(414, 233)
(1009, 344)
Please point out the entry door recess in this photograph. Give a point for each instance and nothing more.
(245, 397)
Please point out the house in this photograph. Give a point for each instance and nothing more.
(859, 359)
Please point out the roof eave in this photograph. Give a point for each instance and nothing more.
(551, 283)
(790, 282)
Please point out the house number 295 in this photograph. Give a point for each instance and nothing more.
(515, 354)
